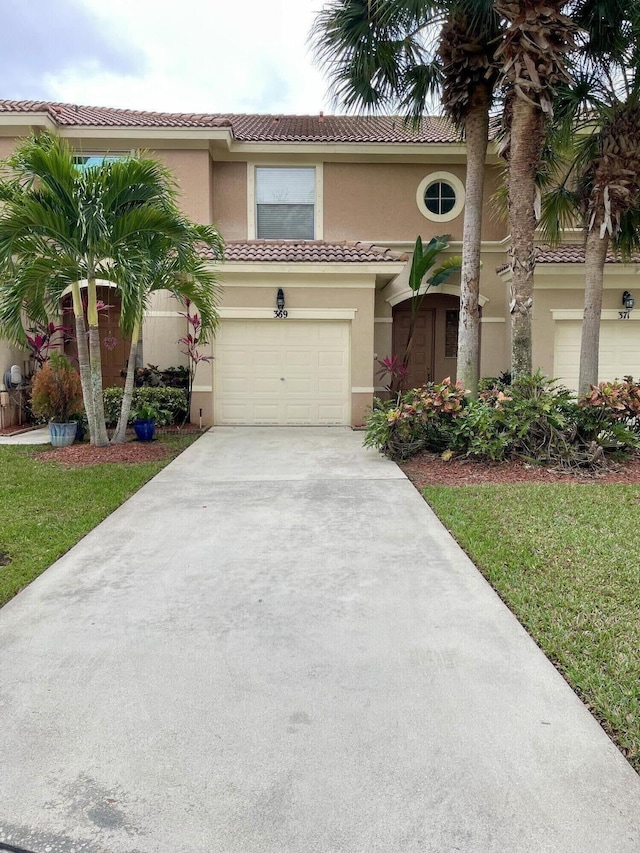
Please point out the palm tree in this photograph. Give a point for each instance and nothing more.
(596, 180)
(536, 41)
(600, 187)
(181, 270)
(61, 226)
(395, 54)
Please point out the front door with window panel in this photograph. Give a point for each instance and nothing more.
(420, 367)
(433, 354)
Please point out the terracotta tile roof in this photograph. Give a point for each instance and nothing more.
(273, 128)
(572, 254)
(250, 128)
(307, 251)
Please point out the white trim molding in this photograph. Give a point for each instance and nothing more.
(449, 289)
(202, 389)
(292, 314)
(578, 314)
(383, 319)
(362, 390)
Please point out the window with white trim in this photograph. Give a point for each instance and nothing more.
(285, 202)
(440, 196)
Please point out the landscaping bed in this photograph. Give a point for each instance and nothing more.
(428, 469)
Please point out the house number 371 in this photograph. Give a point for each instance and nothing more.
(281, 313)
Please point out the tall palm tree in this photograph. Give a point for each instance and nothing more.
(533, 51)
(61, 226)
(395, 54)
(596, 180)
(181, 271)
(599, 188)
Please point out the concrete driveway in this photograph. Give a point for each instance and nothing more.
(274, 647)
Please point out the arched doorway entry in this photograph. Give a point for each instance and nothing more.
(114, 350)
(435, 338)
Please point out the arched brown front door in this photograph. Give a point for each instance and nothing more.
(433, 354)
(114, 351)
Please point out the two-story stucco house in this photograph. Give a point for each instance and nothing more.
(321, 212)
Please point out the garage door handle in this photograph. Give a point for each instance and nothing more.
(282, 379)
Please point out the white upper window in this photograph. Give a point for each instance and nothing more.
(285, 203)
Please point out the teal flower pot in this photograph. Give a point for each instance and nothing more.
(62, 435)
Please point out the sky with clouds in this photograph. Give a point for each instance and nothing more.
(209, 56)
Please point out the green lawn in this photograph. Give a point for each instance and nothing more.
(47, 508)
(566, 560)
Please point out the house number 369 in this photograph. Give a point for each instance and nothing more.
(281, 313)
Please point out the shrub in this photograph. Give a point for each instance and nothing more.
(152, 376)
(171, 403)
(56, 391)
(533, 419)
(416, 420)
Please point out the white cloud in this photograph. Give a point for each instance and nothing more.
(201, 56)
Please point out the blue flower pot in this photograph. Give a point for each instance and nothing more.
(62, 435)
(144, 430)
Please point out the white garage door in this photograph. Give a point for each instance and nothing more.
(282, 372)
(619, 350)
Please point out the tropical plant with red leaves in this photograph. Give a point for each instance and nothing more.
(39, 339)
(190, 343)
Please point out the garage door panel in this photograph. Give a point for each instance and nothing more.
(619, 352)
(290, 372)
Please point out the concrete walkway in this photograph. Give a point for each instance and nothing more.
(274, 647)
(32, 436)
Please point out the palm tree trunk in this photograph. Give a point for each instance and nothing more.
(83, 358)
(100, 438)
(477, 134)
(595, 255)
(527, 137)
(127, 395)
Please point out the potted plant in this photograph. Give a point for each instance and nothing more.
(144, 421)
(56, 394)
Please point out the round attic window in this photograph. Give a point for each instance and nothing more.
(440, 196)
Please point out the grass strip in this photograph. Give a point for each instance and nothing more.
(566, 561)
(45, 508)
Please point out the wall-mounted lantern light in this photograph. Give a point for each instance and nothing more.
(628, 301)
(280, 299)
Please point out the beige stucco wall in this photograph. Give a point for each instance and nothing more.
(191, 170)
(377, 201)
(229, 195)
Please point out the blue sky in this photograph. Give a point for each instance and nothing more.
(186, 56)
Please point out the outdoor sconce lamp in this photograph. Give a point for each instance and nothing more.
(280, 299)
(628, 301)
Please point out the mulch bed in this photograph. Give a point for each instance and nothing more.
(82, 455)
(428, 469)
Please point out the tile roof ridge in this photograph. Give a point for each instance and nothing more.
(379, 250)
